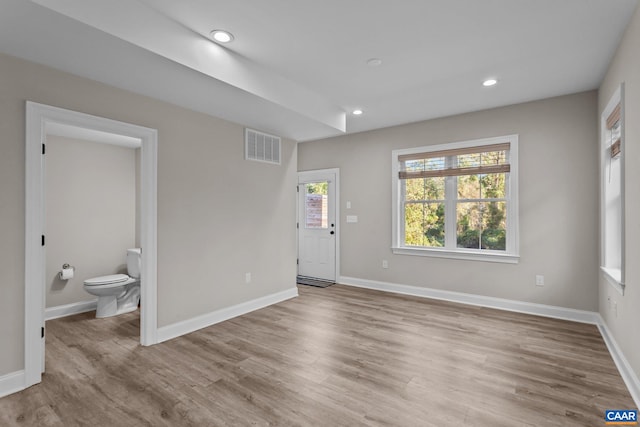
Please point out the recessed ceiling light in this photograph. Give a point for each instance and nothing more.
(221, 36)
(489, 82)
(357, 112)
(374, 62)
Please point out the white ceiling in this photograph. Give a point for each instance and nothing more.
(298, 68)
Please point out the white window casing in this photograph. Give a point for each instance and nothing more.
(612, 218)
(447, 169)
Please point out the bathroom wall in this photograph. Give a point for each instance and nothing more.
(90, 213)
(558, 208)
(219, 216)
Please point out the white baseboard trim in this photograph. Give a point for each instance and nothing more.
(190, 325)
(69, 309)
(581, 316)
(626, 371)
(11, 383)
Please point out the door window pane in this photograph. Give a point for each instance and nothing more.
(315, 205)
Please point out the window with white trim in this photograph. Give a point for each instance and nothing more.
(612, 257)
(457, 200)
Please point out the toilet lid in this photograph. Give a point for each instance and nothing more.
(106, 280)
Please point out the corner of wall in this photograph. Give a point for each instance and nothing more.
(184, 327)
(11, 383)
(626, 371)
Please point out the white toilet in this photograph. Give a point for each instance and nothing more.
(117, 293)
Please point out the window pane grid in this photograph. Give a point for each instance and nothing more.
(480, 200)
(481, 225)
(459, 199)
(432, 164)
(408, 202)
(424, 224)
(424, 189)
(456, 164)
(482, 159)
(481, 220)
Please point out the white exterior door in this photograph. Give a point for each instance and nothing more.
(317, 226)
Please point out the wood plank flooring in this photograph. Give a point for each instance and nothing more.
(337, 356)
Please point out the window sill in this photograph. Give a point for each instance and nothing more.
(614, 277)
(465, 255)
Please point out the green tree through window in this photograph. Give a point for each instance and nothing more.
(479, 201)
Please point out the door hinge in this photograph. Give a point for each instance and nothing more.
(297, 225)
(298, 261)
(43, 240)
(298, 188)
(42, 332)
(43, 149)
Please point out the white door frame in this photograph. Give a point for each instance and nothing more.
(302, 175)
(37, 117)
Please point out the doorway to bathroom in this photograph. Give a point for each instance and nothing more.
(43, 121)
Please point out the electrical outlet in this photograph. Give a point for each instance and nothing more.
(385, 263)
(247, 277)
(539, 280)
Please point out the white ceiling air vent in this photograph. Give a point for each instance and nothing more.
(261, 147)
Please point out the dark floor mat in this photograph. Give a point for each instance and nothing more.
(313, 282)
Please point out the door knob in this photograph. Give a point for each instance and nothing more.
(333, 232)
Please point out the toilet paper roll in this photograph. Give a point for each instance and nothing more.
(66, 273)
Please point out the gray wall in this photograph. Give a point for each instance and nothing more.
(625, 67)
(90, 213)
(558, 202)
(219, 216)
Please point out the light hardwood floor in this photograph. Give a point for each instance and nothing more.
(337, 356)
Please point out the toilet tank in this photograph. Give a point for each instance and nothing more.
(134, 262)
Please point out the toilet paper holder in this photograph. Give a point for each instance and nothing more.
(67, 272)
